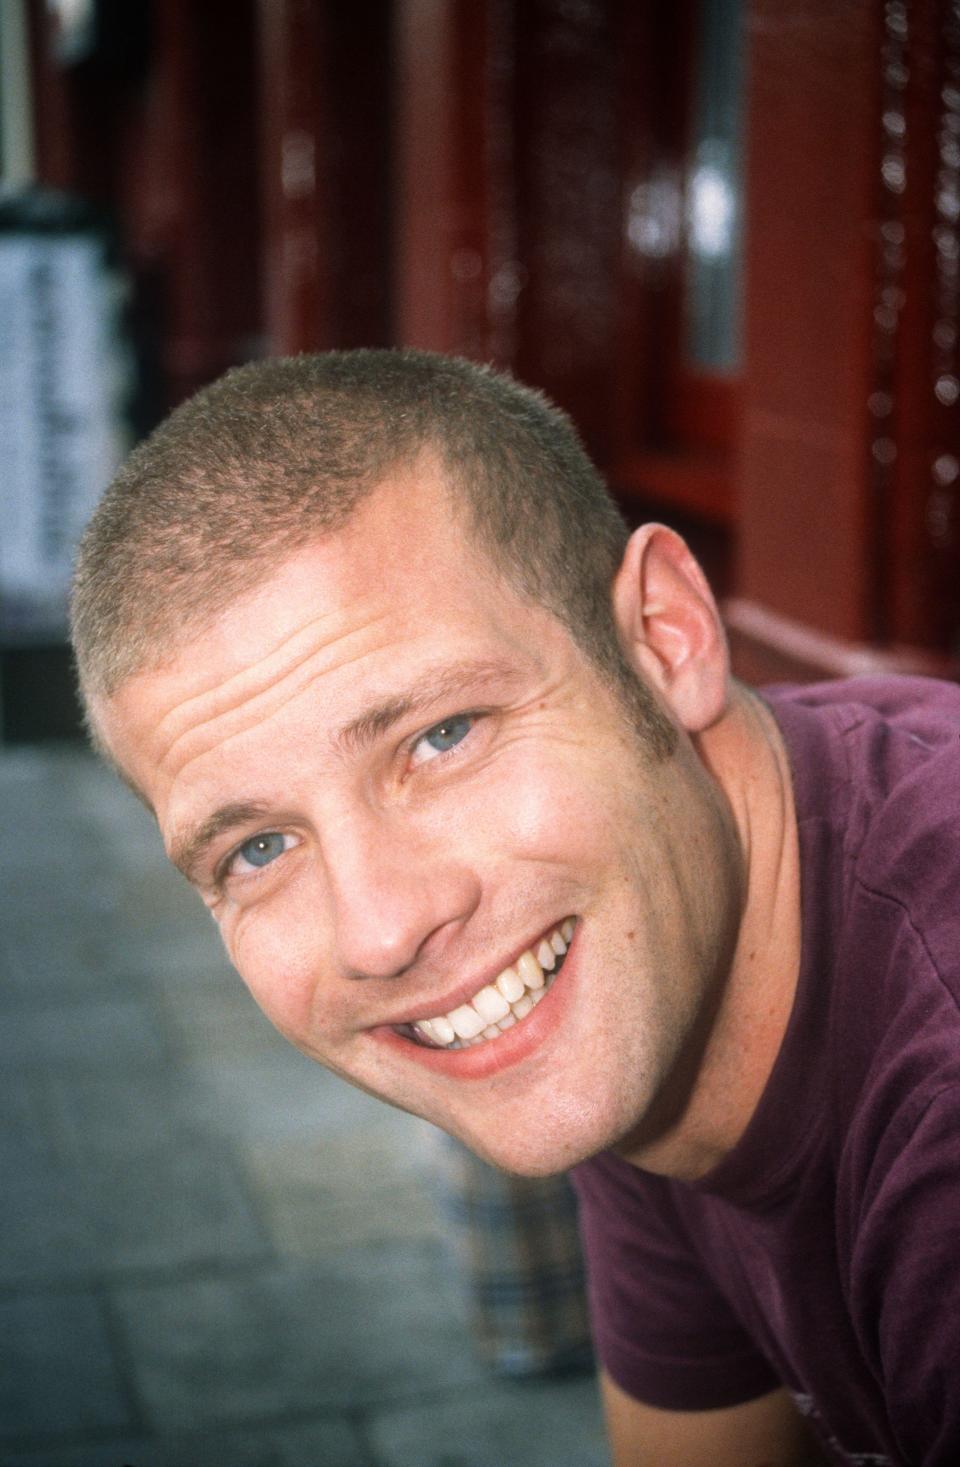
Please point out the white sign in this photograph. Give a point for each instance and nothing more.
(61, 436)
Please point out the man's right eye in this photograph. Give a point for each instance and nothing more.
(259, 851)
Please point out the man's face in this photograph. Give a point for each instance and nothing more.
(395, 785)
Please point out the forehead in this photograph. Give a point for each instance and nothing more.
(401, 586)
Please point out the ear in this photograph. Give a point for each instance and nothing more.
(670, 627)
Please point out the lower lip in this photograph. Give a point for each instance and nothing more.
(478, 1061)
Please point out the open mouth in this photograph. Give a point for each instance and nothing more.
(499, 1005)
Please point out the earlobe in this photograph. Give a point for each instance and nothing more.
(670, 627)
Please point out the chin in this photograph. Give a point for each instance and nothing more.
(539, 1149)
(525, 1163)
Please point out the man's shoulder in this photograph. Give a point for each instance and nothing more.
(876, 765)
(893, 696)
(886, 785)
(878, 760)
(906, 837)
(876, 730)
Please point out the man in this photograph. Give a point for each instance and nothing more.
(459, 770)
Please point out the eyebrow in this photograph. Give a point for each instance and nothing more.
(432, 686)
(187, 849)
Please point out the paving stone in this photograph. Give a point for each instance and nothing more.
(277, 1093)
(120, 1110)
(165, 1205)
(72, 784)
(48, 880)
(150, 947)
(148, 923)
(331, 1443)
(107, 1031)
(49, 1231)
(216, 1019)
(365, 1188)
(179, 1204)
(58, 1373)
(272, 1266)
(64, 861)
(547, 1424)
(51, 957)
(367, 1328)
(32, 787)
(155, 895)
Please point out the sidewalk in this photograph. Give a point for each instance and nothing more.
(213, 1253)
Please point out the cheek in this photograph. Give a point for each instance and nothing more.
(279, 959)
(542, 804)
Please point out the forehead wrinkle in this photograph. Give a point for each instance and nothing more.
(237, 710)
(216, 686)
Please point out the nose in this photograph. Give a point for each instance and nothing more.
(395, 895)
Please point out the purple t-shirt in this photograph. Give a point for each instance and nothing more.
(824, 1252)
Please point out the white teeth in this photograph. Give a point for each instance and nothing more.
(466, 1021)
(491, 1005)
(498, 1005)
(443, 1029)
(510, 985)
(530, 971)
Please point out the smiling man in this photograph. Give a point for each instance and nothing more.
(487, 829)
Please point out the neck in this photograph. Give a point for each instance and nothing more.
(745, 754)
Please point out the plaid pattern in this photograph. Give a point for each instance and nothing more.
(519, 1248)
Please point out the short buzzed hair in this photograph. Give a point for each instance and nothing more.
(278, 453)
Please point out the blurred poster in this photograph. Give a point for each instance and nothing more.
(63, 383)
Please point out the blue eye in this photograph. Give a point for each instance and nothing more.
(260, 850)
(442, 737)
(448, 733)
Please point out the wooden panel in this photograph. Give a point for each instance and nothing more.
(673, 427)
(850, 466)
(294, 125)
(649, 318)
(87, 106)
(448, 173)
(766, 647)
(690, 482)
(197, 209)
(803, 475)
(156, 125)
(324, 116)
(508, 208)
(568, 105)
(915, 407)
(803, 542)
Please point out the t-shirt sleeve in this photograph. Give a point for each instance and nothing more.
(905, 1286)
(663, 1331)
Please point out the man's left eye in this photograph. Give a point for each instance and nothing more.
(442, 737)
